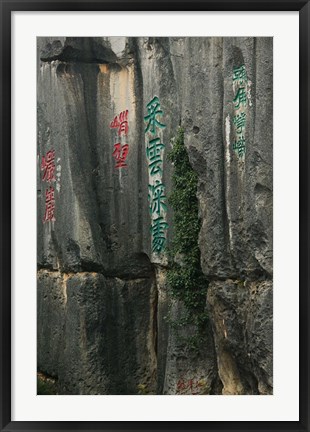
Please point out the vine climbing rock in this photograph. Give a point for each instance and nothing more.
(108, 112)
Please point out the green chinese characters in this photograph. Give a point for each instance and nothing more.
(157, 198)
(240, 98)
(240, 80)
(156, 195)
(240, 75)
(154, 155)
(239, 121)
(153, 109)
(159, 225)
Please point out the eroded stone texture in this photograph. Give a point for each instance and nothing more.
(186, 365)
(90, 336)
(189, 369)
(116, 292)
(241, 314)
(235, 195)
(51, 306)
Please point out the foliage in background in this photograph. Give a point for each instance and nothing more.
(185, 277)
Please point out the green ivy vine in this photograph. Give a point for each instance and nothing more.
(185, 278)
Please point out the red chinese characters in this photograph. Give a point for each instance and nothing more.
(48, 166)
(121, 148)
(49, 205)
(120, 122)
(191, 386)
(120, 154)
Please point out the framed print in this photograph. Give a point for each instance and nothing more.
(153, 192)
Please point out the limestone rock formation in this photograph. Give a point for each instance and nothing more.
(103, 299)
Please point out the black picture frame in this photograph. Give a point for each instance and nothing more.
(7, 7)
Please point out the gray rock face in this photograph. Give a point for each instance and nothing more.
(102, 295)
(90, 336)
(241, 313)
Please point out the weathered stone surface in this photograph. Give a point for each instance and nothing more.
(189, 370)
(196, 90)
(51, 305)
(182, 369)
(235, 196)
(81, 369)
(101, 237)
(98, 218)
(241, 313)
(90, 336)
